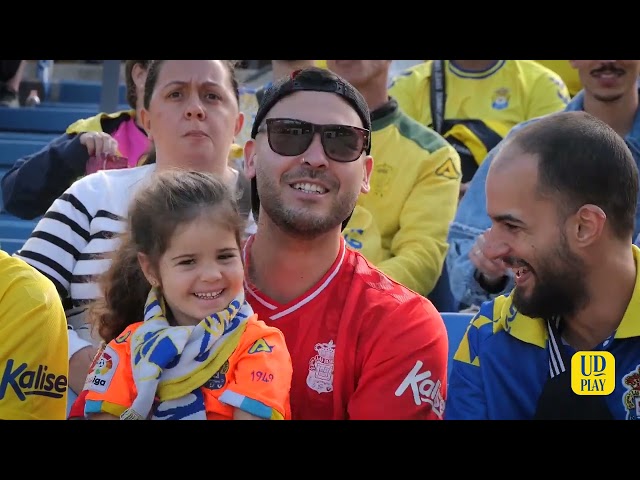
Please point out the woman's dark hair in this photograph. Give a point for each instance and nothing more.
(171, 199)
(132, 94)
(156, 65)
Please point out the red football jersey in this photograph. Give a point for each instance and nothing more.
(362, 345)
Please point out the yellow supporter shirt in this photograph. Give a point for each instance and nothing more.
(481, 107)
(568, 74)
(401, 225)
(34, 348)
(511, 91)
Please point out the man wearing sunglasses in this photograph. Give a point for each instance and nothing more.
(362, 345)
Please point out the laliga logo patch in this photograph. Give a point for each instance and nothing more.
(104, 364)
(100, 379)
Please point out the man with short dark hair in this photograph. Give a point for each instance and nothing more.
(561, 195)
(362, 345)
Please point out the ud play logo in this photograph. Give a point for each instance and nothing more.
(593, 373)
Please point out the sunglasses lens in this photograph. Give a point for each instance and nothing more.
(343, 143)
(289, 138)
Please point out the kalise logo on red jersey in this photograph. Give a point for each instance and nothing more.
(423, 389)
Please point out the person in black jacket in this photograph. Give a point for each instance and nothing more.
(35, 181)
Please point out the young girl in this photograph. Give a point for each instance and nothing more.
(182, 342)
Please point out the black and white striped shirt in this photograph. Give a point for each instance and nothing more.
(69, 243)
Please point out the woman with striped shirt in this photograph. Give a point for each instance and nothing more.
(191, 114)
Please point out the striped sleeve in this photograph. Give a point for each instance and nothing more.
(71, 243)
(60, 236)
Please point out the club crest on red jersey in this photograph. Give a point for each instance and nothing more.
(320, 377)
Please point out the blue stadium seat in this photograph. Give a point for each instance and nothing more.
(14, 232)
(12, 150)
(80, 105)
(3, 170)
(456, 324)
(41, 120)
(37, 137)
(85, 92)
(10, 245)
(441, 295)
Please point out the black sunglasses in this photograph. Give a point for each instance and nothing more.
(291, 137)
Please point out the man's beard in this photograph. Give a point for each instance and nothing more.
(301, 222)
(559, 286)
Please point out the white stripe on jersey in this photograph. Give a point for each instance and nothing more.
(307, 297)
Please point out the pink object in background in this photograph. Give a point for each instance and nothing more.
(108, 162)
(132, 142)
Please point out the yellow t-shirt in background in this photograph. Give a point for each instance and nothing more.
(566, 72)
(481, 106)
(509, 92)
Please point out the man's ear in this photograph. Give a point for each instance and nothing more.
(367, 168)
(239, 124)
(250, 158)
(588, 224)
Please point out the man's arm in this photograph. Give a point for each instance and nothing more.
(81, 354)
(419, 247)
(33, 329)
(470, 221)
(404, 365)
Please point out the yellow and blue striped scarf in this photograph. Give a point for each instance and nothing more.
(172, 363)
